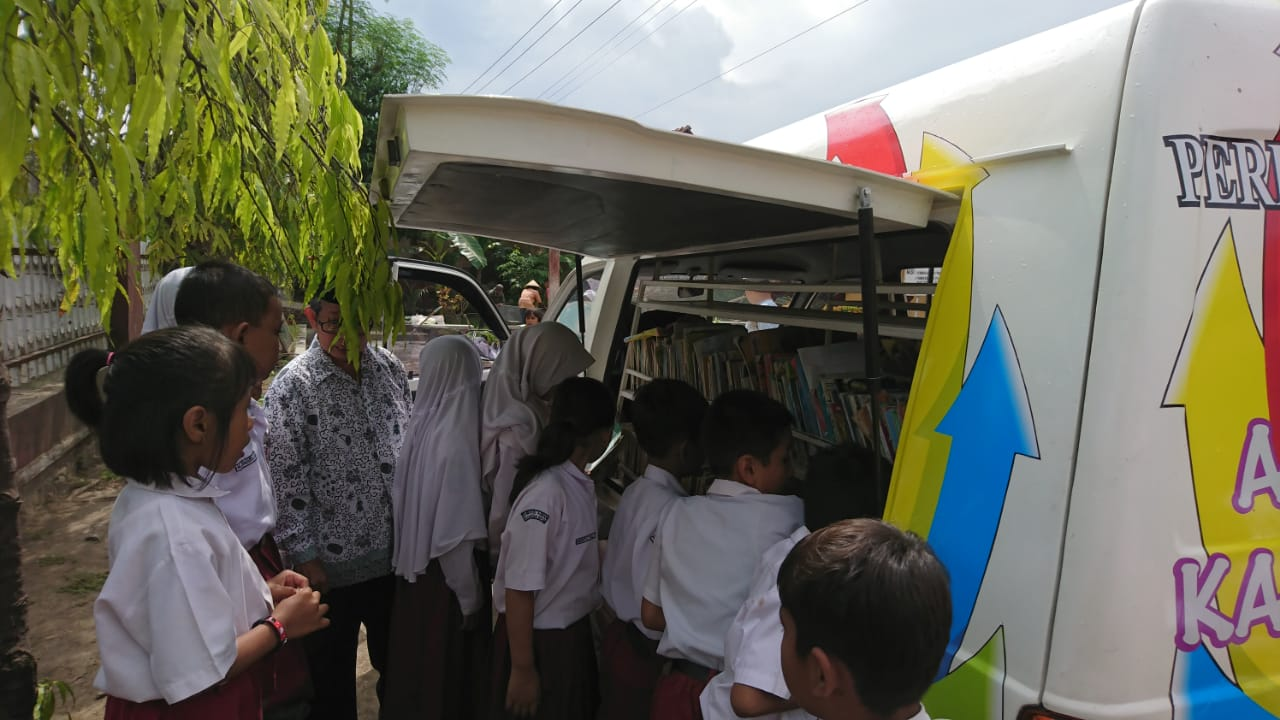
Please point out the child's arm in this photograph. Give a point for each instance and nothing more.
(752, 702)
(652, 616)
(301, 614)
(524, 689)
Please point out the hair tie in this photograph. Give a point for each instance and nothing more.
(110, 356)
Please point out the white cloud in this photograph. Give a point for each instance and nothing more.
(877, 44)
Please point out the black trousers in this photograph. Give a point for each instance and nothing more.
(331, 652)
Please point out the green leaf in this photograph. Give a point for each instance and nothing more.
(13, 138)
(172, 27)
(283, 115)
(470, 248)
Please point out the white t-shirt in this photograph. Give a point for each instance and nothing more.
(753, 646)
(249, 503)
(549, 546)
(706, 552)
(180, 589)
(631, 542)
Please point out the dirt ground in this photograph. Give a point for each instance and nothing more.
(64, 531)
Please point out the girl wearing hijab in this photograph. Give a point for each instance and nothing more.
(517, 401)
(437, 664)
(160, 311)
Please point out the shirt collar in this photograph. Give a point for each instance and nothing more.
(571, 470)
(663, 478)
(187, 487)
(730, 488)
(801, 533)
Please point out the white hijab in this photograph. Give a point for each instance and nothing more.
(160, 311)
(534, 360)
(435, 495)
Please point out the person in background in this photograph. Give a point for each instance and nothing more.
(840, 485)
(160, 309)
(707, 548)
(763, 299)
(245, 308)
(437, 664)
(866, 611)
(530, 295)
(548, 578)
(667, 417)
(533, 316)
(332, 444)
(184, 618)
(514, 409)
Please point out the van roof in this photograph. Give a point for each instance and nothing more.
(600, 185)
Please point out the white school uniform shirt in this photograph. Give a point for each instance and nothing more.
(249, 503)
(753, 646)
(706, 552)
(631, 542)
(549, 546)
(179, 590)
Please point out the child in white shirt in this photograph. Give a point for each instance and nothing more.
(548, 577)
(866, 613)
(840, 484)
(707, 548)
(667, 417)
(184, 613)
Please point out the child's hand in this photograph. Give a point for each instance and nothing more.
(523, 691)
(302, 613)
(286, 584)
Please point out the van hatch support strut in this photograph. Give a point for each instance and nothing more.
(869, 251)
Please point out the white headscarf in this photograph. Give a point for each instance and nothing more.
(534, 360)
(435, 495)
(160, 311)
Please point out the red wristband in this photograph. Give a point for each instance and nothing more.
(281, 636)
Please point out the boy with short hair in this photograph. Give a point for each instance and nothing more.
(707, 548)
(840, 484)
(866, 611)
(667, 417)
(245, 307)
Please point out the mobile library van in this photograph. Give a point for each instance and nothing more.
(1045, 281)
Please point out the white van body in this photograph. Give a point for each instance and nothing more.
(1087, 443)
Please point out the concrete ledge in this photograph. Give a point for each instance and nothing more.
(42, 430)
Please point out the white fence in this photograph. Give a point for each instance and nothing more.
(35, 338)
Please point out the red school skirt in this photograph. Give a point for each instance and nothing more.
(237, 699)
(630, 668)
(283, 675)
(566, 662)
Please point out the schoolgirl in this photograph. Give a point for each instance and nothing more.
(184, 614)
(548, 578)
(438, 661)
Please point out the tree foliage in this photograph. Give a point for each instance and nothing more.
(385, 56)
(218, 123)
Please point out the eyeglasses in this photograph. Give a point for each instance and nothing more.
(330, 326)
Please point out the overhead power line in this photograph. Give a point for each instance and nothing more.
(514, 60)
(565, 95)
(513, 47)
(753, 58)
(562, 47)
(596, 52)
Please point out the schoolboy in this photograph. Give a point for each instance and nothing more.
(667, 417)
(245, 307)
(840, 484)
(866, 610)
(707, 548)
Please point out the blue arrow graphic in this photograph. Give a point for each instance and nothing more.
(1208, 694)
(989, 423)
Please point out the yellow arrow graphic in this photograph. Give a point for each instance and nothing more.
(1220, 379)
(922, 453)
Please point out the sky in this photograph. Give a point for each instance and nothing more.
(638, 58)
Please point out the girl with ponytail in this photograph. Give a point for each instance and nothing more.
(184, 613)
(548, 577)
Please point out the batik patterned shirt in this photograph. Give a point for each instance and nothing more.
(332, 443)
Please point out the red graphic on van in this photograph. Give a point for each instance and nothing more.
(862, 135)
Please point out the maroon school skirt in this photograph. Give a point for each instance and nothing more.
(630, 668)
(677, 696)
(435, 668)
(237, 699)
(282, 675)
(566, 662)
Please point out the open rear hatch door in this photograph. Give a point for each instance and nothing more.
(599, 185)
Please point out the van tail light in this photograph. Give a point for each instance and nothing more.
(1038, 713)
